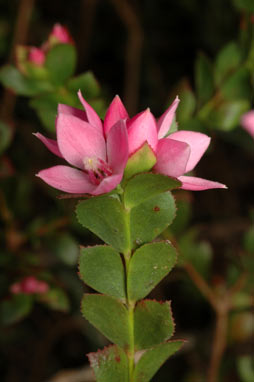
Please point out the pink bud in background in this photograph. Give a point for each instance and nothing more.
(247, 122)
(36, 56)
(62, 34)
(29, 285)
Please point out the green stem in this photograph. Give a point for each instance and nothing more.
(130, 304)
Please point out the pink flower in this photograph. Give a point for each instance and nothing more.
(61, 33)
(176, 154)
(247, 122)
(29, 285)
(36, 56)
(81, 142)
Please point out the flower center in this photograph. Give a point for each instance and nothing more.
(97, 169)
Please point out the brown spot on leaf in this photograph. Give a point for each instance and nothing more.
(156, 208)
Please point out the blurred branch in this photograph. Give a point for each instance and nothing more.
(24, 13)
(133, 53)
(75, 375)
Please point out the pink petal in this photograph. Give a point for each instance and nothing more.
(247, 122)
(165, 121)
(67, 179)
(172, 157)
(91, 115)
(115, 112)
(65, 109)
(198, 143)
(107, 184)
(142, 128)
(77, 140)
(198, 184)
(51, 144)
(117, 147)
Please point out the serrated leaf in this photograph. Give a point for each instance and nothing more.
(11, 78)
(101, 268)
(149, 219)
(153, 359)
(153, 323)
(110, 364)
(61, 63)
(5, 136)
(108, 315)
(228, 59)
(142, 160)
(105, 217)
(203, 79)
(87, 83)
(145, 186)
(13, 310)
(148, 266)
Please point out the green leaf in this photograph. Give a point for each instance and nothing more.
(153, 359)
(153, 323)
(148, 266)
(105, 217)
(65, 247)
(228, 114)
(87, 83)
(11, 78)
(145, 186)
(61, 63)
(102, 269)
(13, 310)
(245, 368)
(110, 364)
(55, 299)
(142, 160)
(237, 85)
(187, 105)
(203, 79)
(149, 219)
(5, 136)
(246, 5)
(228, 59)
(108, 315)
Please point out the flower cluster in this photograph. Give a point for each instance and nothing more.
(32, 55)
(101, 151)
(248, 122)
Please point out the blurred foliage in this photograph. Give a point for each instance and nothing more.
(192, 49)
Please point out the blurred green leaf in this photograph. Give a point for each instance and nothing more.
(186, 106)
(227, 115)
(65, 247)
(55, 299)
(149, 219)
(108, 315)
(247, 5)
(145, 186)
(16, 308)
(248, 240)
(237, 86)
(153, 323)
(153, 358)
(228, 59)
(101, 268)
(110, 364)
(245, 368)
(13, 79)
(148, 266)
(61, 63)
(203, 79)
(87, 83)
(5, 136)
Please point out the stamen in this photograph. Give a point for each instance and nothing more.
(97, 169)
